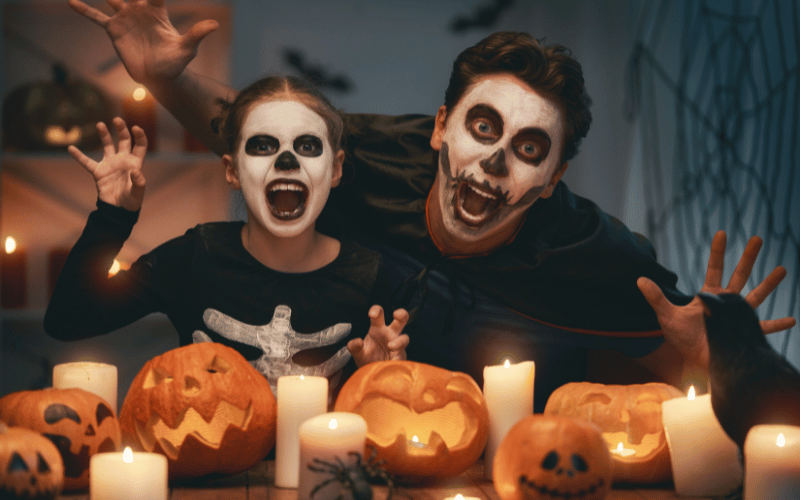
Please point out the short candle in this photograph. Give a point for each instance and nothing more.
(772, 462)
(329, 438)
(128, 475)
(622, 451)
(97, 378)
(508, 391)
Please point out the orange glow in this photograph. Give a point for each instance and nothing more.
(11, 245)
(139, 94)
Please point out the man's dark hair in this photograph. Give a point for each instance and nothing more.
(550, 70)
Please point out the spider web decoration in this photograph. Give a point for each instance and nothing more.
(714, 86)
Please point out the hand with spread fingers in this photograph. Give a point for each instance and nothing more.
(118, 175)
(684, 326)
(383, 342)
(147, 43)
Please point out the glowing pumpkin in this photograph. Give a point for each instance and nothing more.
(627, 414)
(423, 420)
(548, 456)
(204, 407)
(78, 423)
(30, 465)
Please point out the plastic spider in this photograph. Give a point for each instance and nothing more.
(354, 478)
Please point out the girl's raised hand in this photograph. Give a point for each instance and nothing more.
(118, 175)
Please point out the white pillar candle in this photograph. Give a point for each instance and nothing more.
(128, 475)
(300, 397)
(97, 378)
(772, 463)
(328, 437)
(705, 461)
(508, 391)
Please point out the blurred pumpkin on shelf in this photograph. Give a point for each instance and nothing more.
(51, 115)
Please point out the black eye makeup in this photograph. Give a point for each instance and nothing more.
(484, 124)
(531, 145)
(308, 145)
(261, 145)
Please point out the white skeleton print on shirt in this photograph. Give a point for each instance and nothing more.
(280, 343)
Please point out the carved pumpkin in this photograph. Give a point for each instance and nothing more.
(402, 399)
(78, 423)
(30, 465)
(204, 407)
(549, 456)
(627, 414)
(49, 116)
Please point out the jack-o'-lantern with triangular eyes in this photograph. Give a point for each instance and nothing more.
(546, 457)
(30, 465)
(78, 422)
(204, 407)
(425, 421)
(629, 417)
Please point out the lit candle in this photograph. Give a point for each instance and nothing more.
(622, 451)
(416, 443)
(508, 390)
(300, 397)
(97, 378)
(139, 108)
(128, 476)
(772, 462)
(705, 461)
(13, 274)
(459, 496)
(329, 438)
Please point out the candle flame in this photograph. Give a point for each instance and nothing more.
(11, 245)
(302, 377)
(690, 396)
(332, 424)
(416, 439)
(781, 441)
(620, 447)
(459, 496)
(114, 269)
(507, 363)
(127, 455)
(139, 94)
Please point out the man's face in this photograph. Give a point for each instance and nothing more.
(285, 166)
(499, 151)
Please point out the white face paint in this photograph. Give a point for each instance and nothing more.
(500, 148)
(284, 163)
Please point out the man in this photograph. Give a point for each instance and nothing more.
(494, 256)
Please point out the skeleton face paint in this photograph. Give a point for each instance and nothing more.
(284, 164)
(501, 147)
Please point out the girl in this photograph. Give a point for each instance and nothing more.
(274, 288)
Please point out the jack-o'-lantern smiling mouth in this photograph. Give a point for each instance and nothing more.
(286, 199)
(542, 491)
(476, 204)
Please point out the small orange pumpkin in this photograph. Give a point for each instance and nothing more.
(401, 400)
(548, 456)
(204, 407)
(30, 465)
(78, 422)
(627, 414)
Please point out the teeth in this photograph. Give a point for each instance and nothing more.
(285, 187)
(486, 195)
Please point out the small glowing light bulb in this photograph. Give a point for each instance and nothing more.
(11, 244)
(139, 94)
(127, 455)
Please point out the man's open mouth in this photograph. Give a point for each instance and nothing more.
(287, 199)
(474, 204)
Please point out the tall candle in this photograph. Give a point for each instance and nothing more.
(705, 461)
(508, 390)
(328, 438)
(128, 475)
(300, 397)
(97, 378)
(772, 463)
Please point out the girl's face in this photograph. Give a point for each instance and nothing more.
(285, 166)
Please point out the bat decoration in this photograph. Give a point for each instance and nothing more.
(751, 383)
(484, 17)
(317, 75)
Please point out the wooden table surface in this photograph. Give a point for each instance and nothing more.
(258, 484)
